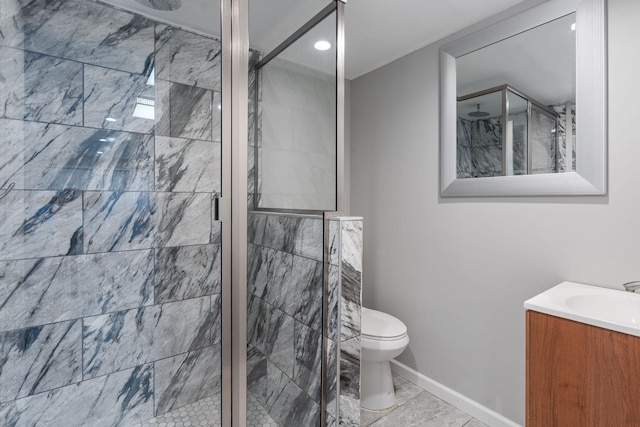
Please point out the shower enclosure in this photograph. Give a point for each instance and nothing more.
(137, 135)
(502, 131)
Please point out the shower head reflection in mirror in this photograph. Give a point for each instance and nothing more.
(531, 73)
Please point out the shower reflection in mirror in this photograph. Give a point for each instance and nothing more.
(516, 104)
(502, 131)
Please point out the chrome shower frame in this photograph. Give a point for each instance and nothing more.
(235, 84)
(532, 104)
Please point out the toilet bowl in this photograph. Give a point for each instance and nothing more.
(383, 338)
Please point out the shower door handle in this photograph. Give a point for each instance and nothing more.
(220, 209)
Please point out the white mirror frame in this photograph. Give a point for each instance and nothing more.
(590, 176)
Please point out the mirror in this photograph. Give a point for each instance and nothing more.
(523, 108)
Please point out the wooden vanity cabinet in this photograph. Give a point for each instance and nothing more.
(580, 375)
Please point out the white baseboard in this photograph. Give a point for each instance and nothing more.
(471, 407)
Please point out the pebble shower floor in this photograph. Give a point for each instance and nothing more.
(206, 412)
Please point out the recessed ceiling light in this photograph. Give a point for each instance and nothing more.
(573, 26)
(103, 139)
(322, 45)
(111, 119)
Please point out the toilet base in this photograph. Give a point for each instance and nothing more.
(376, 391)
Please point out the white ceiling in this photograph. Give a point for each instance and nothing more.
(381, 31)
(376, 31)
(540, 62)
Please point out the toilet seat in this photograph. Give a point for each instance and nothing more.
(377, 325)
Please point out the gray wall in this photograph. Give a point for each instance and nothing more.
(457, 271)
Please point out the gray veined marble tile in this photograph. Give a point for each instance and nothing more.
(191, 112)
(11, 81)
(216, 117)
(277, 126)
(405, 389)
(256, 374)
(280, 232)
(258, 269)
(185, 272)
(333, 302)
(351, 278)
(187, 378)
(122, 398)
(295, 287)
(307, 370)
(183, 111)
(258, 315)
(314, 133)
(187, 58)
(333, 378)
(256, 227)
(369, 417)
(294, 86)
(187, 165)
(279, 346)
(40, 223)
(350, 305)
(216, 229)
(255, 122)
(475, 423)
(309, 239)
(286, 403)
(424, 410)
(350, 382)
(83, 31)
(38, 359)
(113, 99)
(11, 33)
(334, 241)
(251, 165)
(47, 290)
(39, 87)
(125, 339)
(216, 318)
(118, 221)
(56, 157)
(183, 219)
(351, 241)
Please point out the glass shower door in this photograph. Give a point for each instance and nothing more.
(292, 181)
(110, 256)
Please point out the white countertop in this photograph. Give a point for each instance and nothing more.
(612, 309)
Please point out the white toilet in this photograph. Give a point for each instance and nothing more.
(383, 338)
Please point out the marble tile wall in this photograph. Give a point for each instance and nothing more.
(285, 297)
(285, 290)
(344, 323)
(109, 257)
(561, 110)
(296, 141)
(479, 150)
(479, 147)
(543, 144)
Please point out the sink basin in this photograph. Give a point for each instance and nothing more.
(612, 309)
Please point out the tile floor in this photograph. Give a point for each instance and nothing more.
(417, 408)
(414, 408)
(206, 413)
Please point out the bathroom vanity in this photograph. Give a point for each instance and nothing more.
(583, 357)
